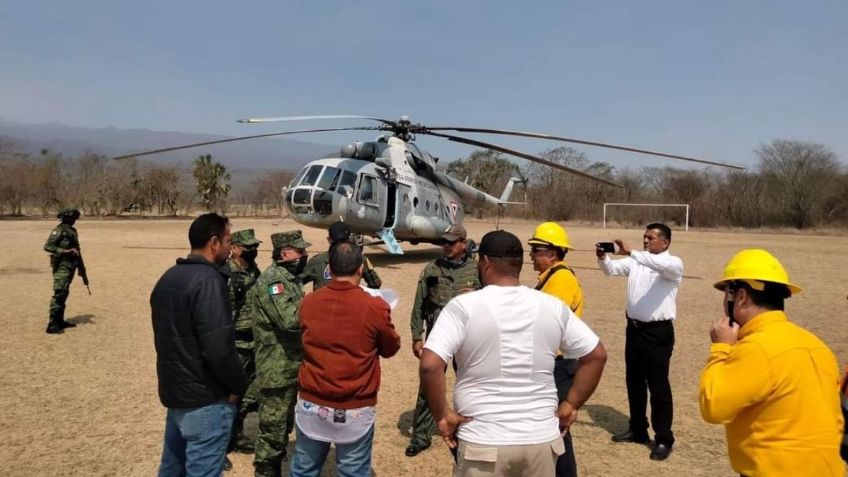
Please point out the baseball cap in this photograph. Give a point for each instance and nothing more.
(338, 231)
(456, 232)
(501, 243)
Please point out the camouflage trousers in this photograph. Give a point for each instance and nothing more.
(248, 402)
(63, 275)
(276, 421)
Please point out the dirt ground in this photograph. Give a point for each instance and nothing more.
(85, 403)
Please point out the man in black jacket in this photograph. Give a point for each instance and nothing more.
(200, 376)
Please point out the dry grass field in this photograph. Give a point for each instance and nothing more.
(85, 403)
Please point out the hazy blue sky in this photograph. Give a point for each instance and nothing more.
(712, 79)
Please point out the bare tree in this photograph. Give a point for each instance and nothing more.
(798, 176)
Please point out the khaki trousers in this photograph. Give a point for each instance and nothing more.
(537, 460)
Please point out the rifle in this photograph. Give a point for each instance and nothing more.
(83, 273)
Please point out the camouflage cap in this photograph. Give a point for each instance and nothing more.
(245, 237)
(68, 212)
(292, 238)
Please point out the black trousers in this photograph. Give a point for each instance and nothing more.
(564, 370)
(647, 354)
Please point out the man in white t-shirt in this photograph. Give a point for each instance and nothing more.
(504, 339)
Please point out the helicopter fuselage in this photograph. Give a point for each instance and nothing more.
(388, 184)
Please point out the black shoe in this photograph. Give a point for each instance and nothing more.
(630, 436)
(55, 330)
(660, 452)
(67, 324)
(228, 466)
(415, 449)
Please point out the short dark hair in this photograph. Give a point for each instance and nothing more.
(345, 259)
(510, 266)
(205, 227)
(663, 229)
(770, 298)
(561, 253)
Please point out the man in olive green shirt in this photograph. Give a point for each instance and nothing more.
(442, 279)
(317, 269)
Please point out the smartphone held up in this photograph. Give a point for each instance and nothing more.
(606, 247)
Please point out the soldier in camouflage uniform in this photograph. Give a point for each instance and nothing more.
(243, 274)
(441, 280)
(317, 269)
(63, 246)
(274, 303)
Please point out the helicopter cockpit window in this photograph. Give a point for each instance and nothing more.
(311, 175)
(347, 179)
(299, 176)
(368, 190)
(328, 178)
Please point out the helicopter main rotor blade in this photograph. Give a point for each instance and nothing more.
(310, 118)
(522, 155)
(242, 138)
(507, 132)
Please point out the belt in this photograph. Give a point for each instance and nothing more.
(244, 335)
(647, 324)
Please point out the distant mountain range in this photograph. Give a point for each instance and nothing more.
(271, 153)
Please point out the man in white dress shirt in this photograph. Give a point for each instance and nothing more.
(653, 276)
(504, 339)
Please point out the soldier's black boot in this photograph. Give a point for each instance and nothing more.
(68, 324)
(267, 469)
(54, 326)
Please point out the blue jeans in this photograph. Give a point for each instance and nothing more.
(352, 460)
(196, 440)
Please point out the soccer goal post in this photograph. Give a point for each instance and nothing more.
(620, 204)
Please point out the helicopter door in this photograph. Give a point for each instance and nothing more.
(391, 205)
(367, 210)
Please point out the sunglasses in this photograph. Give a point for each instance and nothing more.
(534, 250)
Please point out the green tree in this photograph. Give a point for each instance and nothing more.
(212, 181)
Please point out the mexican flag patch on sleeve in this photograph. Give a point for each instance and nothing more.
(276, 289)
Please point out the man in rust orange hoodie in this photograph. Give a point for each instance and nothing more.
(345, 332)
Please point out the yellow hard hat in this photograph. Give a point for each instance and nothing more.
(550, 233)
(755, 266)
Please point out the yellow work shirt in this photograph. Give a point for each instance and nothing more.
(776, 390)
(563, 285)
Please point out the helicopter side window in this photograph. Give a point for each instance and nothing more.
(328, 178)
(368, 190)
(311, 175)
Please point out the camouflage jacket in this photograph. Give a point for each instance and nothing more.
(317, 271)
(241, 280)
(439, 283)
(62, 238)
(274, 302)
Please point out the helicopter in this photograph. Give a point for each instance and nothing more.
(390, 189)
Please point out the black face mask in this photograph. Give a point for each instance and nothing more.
(249, 254)
(295, 267)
